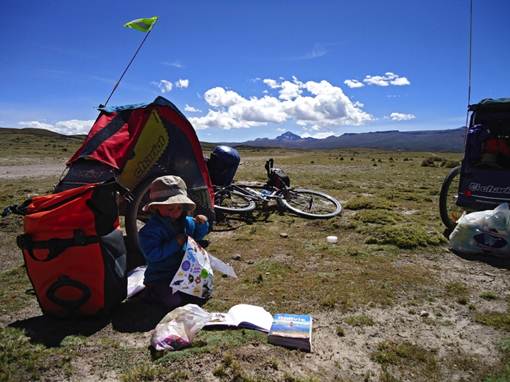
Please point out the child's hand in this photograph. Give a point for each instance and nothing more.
(181, 238)
(201, 219)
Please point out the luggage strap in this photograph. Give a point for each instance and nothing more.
(55, 246)
(20, 209)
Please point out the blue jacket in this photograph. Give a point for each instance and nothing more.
(161, 250)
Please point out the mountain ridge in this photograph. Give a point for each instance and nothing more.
(448, 140)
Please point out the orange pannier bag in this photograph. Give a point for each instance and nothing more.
(74, 251)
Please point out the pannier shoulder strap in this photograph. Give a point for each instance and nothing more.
(55, 246)
(20, 209)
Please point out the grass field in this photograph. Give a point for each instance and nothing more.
(390, 302)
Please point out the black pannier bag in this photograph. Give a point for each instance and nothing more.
(222, 165)
(276, 176)
(74, 251)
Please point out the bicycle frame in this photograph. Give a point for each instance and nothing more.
(271, 193)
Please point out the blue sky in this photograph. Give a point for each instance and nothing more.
(242, 70)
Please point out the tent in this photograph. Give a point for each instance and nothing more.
(135, 144)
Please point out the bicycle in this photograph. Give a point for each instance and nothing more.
(241, 198)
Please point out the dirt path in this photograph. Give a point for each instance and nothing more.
(31, 170)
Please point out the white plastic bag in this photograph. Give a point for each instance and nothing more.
(178, 328)
(483, 232)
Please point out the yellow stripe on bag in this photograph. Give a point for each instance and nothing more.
(148, 149)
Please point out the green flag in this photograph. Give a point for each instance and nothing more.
(142, 25)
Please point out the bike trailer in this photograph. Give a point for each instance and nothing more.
(222, 165)
(74, 251)
(485, 172)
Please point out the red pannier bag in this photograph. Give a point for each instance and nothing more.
(74, 251)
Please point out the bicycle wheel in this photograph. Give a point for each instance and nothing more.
(232, 202)
(311, 204)
(448, 208)
(135, 219)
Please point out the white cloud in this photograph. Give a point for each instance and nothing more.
(219, 97)
(36, 125)
(307, 104)
(69, 127)
(219, 119)
(191, 109)
(290, 90)
(175, 64)
(401, 117)
(400, 81)
(387, 79)
(318, 50)
(165, 86)
(353, 84)
(271, 83)
(182, 83)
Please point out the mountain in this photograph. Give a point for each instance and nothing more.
(451, 140)
(38, 132)
(288, 136)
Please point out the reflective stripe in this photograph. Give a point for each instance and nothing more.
(107, 132)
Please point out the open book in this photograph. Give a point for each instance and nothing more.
(242, 316)
(292, 330)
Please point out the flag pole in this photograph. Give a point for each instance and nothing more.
(126, 69)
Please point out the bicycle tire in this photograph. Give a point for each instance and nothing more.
(448, 210)
(311, 204)
(231, 201)
(133, 218)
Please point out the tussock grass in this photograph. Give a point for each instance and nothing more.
(378, 217)
(15, 292)
(398, 354)
(498, 320)
(404, 236)
(366, 203)
(488, 295)
(213, 341)
(22, 361)
(359, 320)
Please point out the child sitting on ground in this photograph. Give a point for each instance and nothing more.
(163, 239)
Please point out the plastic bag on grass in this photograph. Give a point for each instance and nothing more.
(178, 328)
(483, 232)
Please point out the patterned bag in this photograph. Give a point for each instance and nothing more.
(195, 274)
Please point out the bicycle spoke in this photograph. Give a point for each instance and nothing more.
(310, 203)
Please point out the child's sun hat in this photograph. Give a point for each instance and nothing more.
(168, 189)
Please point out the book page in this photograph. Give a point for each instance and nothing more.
(251, 316)
(221, 319)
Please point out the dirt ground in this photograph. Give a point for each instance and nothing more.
(32, 170)
(463, 349)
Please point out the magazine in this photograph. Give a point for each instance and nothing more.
(242, 316)
(292, 330)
